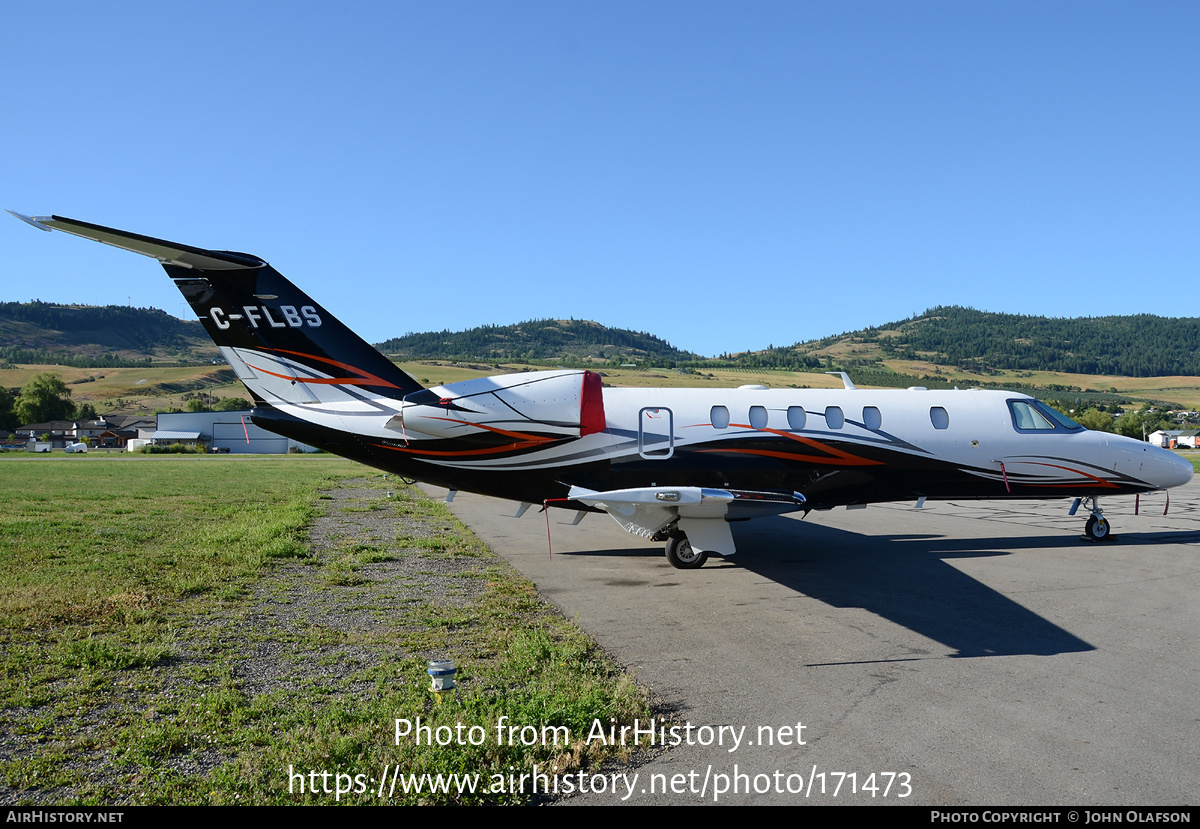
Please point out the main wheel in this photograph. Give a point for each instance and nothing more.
(682, 555)
(1097, 528)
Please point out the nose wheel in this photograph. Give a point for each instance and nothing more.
(1097, 527)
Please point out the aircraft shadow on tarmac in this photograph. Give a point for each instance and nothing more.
(907, 579)
(904, 578)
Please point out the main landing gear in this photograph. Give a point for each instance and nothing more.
(681, 554)
(1097, 527)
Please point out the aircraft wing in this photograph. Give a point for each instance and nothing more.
(702, 513)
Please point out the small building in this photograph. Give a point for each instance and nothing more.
(169, 437)
(112, 431)
(1187, 438)
(59, 432)
(231, 432)
(1169, 438)
(123, 428)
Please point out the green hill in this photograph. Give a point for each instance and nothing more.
(980, 342)
(545, 339)
(105, 336)
(1133, 346)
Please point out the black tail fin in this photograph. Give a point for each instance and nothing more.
(283, 346)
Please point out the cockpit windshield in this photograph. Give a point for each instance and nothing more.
(1036, 416)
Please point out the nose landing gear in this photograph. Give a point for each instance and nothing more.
(1097, 527)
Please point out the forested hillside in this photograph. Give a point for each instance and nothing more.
(978, 341)
(96, 336)
(544, 339)
(1133, 346)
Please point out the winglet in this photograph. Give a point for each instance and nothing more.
(33, 220)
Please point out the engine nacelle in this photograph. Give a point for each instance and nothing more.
(545, 404)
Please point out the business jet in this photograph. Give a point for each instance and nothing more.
(673, 465)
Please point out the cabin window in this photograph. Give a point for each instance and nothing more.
(834, 418)
(758, 417)
(796, 417)
(872, 419)
(719, 416)
(939, 417)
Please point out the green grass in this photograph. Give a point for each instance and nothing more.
(1192, 457)
(102, 541)
(140, 596)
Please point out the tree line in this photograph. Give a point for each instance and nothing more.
(539, 339)
(1142, 345)
(47, 397)
(86, 336)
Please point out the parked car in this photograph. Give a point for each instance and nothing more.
(76, 447)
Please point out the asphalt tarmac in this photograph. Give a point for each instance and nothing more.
(967, 653)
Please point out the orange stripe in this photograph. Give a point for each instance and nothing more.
(504, 432)
(843, 459)
(365, 378)
(494, 450)
(339, 381)
(1100, 481)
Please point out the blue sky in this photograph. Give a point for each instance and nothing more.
(727, 176)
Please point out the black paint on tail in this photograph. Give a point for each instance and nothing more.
(284, 347)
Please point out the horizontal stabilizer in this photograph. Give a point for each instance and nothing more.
(169, 253)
